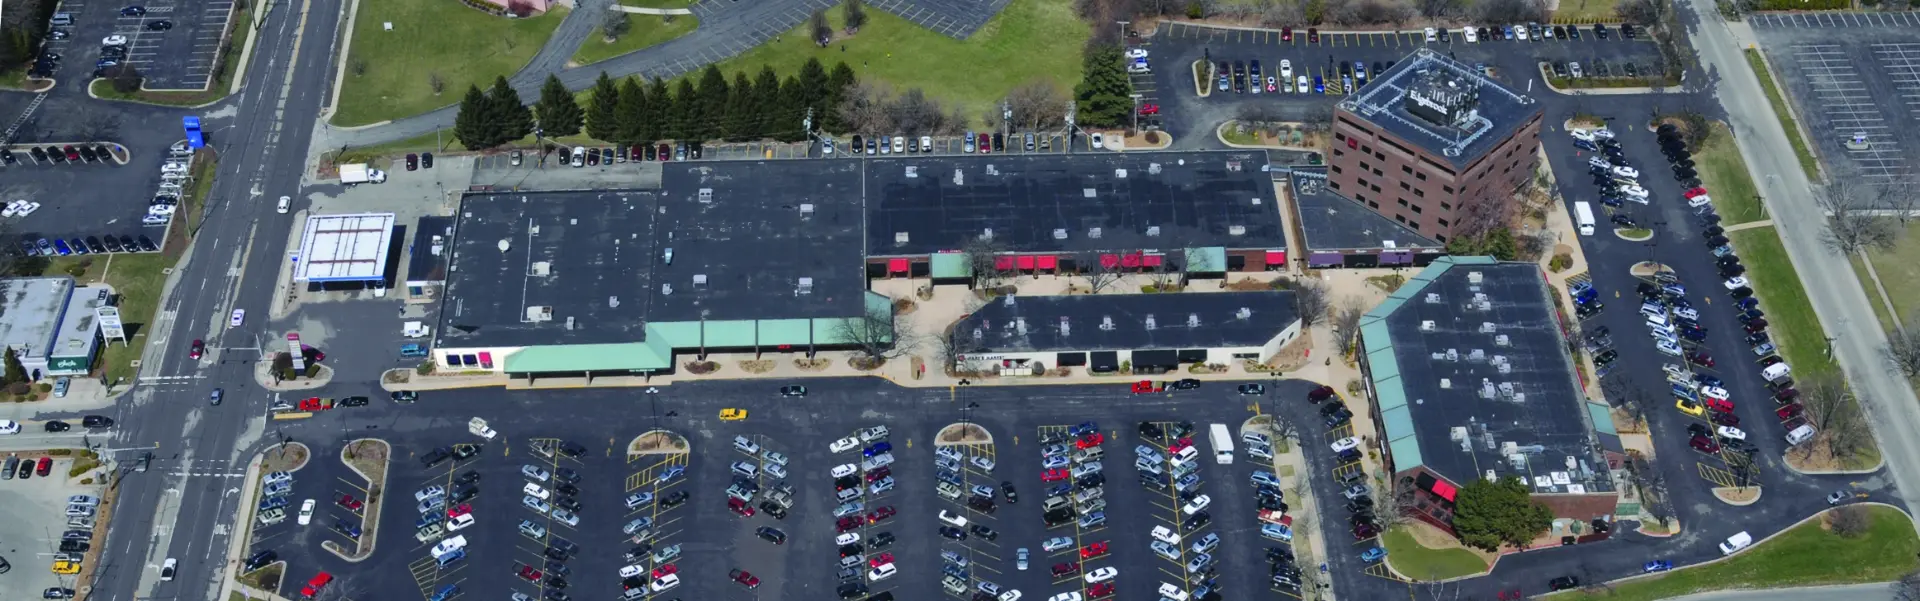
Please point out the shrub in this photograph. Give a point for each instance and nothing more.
(1153, 137)
(1195, 10)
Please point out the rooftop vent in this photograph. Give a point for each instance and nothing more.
(1088, 192)
(1020, 324)
(666, 289)
(1060, 233)
(1066, 327)
(901, 238)
(1153, 230)
(1426, 325)
(1007, 300)
(706, 195)
(959, 177)
(1243, 313)
(1093, 232)
(806, 210)
(1502, 366)
(666, 255)
(986, 234)
(1236, 230)
(805, 287)
(1453, 354)
(613, 301)
(1193, 320)
(1446, 383)
(913, 172)
(1153, 168)
(1502, 340)
(1474, 277)
(1480, 302)
(1486, 389)
(1120, 173)
(505, 244)
(539, 313)
(699, 280)
(977, 334)
(1486, 327)
(1433, 298)
(1106, 323)
(569, 322)
(1151, 324)
(1477, 355)
(540, 268)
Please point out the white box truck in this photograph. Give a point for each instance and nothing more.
(360, 173)
(1222, 444)
(1583, 212)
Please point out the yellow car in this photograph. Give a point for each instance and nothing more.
(732, 415)
(1689, 408)
(66, 567)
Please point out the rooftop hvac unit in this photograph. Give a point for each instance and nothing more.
(1506, 390)
(1007, 300)
(666, 255)
(699, 280)
(1427, 325)
(1502, 340)
(1503, 367)
(913, 172)
(1120, 173)
(986, 234)
(1490, 476)
(1066, 327)
(959, 177)
(1453, 354)
(806, 210)
(1020, 325)
(1193, 320)
(1459, 434)
(666, 289)
(1486, 327)
(1433, 298)
(540, 313)
(1439, 356)
(805, 286)
(1476, 355)
(1236, 230)
(1150, 322)
(1474, 277)
(1153, 168)
(1093, 232)
(1486, 389)
(569, 323)
(1243, 313)
(901, 238)
(1153, 230)
(1060, 233)
(977, 334)
(613, 301)
(1106, 323)
(1088, 192)
(540, 268)
(706, 195)
(1520, 397)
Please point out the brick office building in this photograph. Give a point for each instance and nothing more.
(1430, 136)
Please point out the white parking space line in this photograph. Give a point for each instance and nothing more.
(1850, 109)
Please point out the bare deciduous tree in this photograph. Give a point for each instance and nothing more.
(1849, 521)
(1902, 195)
(1311, 300)
(1038, 105)
(1903, 350)
(864, 108)
(1346, 323)
(1833, 410)
(983, 255)
(1284, 14)
(822, 32)
(1640, 12)
(952, 348)
(914, 113)
(1433, 9)
(436, 83)
(614, 25)
(1509, 11)
(1483, 214)
(1851, 229)
(877, 334)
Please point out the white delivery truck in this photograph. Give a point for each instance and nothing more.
(1583, 212)
(360, 173)
(1222, 444)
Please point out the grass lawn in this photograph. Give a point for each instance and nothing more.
(1790, 316)
(241, 29)
(445, 39)
(1873, 292)
(646, 30)
(1585, 11)
(1807, 555)
(1424, 564)
(1031, 39)
(1724, 174)
(441, 141)
(137, 278)
(657, 3)
(1899, 270)
(1787, 122)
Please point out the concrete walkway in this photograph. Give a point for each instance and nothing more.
(650, 11)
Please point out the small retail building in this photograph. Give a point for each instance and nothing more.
(52, 324)
(1106, 333)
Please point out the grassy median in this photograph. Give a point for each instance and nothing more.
(1806, 555)
(1419, 562)
(433, 53)
(1724, 174)
(1780, 109)
(643, 31)
(1790, 317)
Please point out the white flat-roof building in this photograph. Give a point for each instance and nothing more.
(51, 324)
(344, 248)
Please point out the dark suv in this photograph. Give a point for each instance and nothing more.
(434, 457)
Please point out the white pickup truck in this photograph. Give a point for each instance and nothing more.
(479, 428)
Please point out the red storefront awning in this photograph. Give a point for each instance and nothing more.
(1026, 263)
(1003, 263)
(1151, 260)
(1276, 258)
(1049, 262)
(896, 265)
(1443, 490)
(486, 360)
(1131, 260)
(1109, 261)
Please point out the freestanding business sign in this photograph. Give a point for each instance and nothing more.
(110, 326)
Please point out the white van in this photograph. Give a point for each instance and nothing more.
(1775, 372)
(1735, 543)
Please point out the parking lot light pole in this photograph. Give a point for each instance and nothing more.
(1136, 109)
(653, 398)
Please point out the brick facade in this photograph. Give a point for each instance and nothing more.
(1417, 187)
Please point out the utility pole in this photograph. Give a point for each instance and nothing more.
(806, 128)
(1071, 106)
(1006, 117)
(1136, 109)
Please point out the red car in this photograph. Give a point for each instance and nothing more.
(1695, 192)
(1320, 394)
(1701, 358)
(44, 467)
(1055, 475)
(1180, 444)
(1788, 411)
(986, 143)
(876, 475)
(1364, 531)
(880, 514)
(1786, 395)
(350, 503)
(1286, 34)
(73, 154)
(1100, 591)
(313, 587)
(1725, 419)
(745, 578)
(462, 509)
(1704, 444)
(1313, 36)
(1090, 441)
(880, 560)
(529, 574)
(1148, 387)
(197, 349)
(1071, 567)
(739, 507)
(1719, 404)
(846, 524)
(1093, 550)
(666, 153)
(1149, 109)
(665, 570)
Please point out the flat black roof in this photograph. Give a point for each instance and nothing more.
(1195, 199)
(1500, 111)
(1138, 321)
(1534, 404)
(593, 264)
(1334, 223)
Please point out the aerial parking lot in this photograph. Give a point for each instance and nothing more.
(1845, 75)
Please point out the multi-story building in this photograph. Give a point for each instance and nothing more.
(1428, 138)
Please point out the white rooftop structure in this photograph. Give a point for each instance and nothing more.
(344, 248)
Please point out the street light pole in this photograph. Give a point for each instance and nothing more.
(1136, 110)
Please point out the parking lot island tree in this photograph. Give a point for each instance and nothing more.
(559, 114)
(1104, 94)
(1489, 514)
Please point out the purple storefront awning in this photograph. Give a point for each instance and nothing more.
(1396, 257)
(1325, 260)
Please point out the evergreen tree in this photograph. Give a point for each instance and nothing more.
(712, 105)
(15, 371)
(1105, 95)
(514, 119)
(686, 110)
(560, 115)
(855, 15)
(787, 128)
(603, 117)
(813, 86)
(471, 125)
(743, 117)
(659, 111)
(633, 113)
(767, 101)
(838, 82)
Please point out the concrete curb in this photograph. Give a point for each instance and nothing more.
(340, 70)
(1758, 492)
(635, 10)
(372, 515)
(1800, 125)
(246, 53)
(676, 435)
(1223, 140)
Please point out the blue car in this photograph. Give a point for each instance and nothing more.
(672, 472)
(1657, 565)
(445, 593)
(1319, 85)
(1084, 429)
(1373, 555)
(60, 247)
(877, 448)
